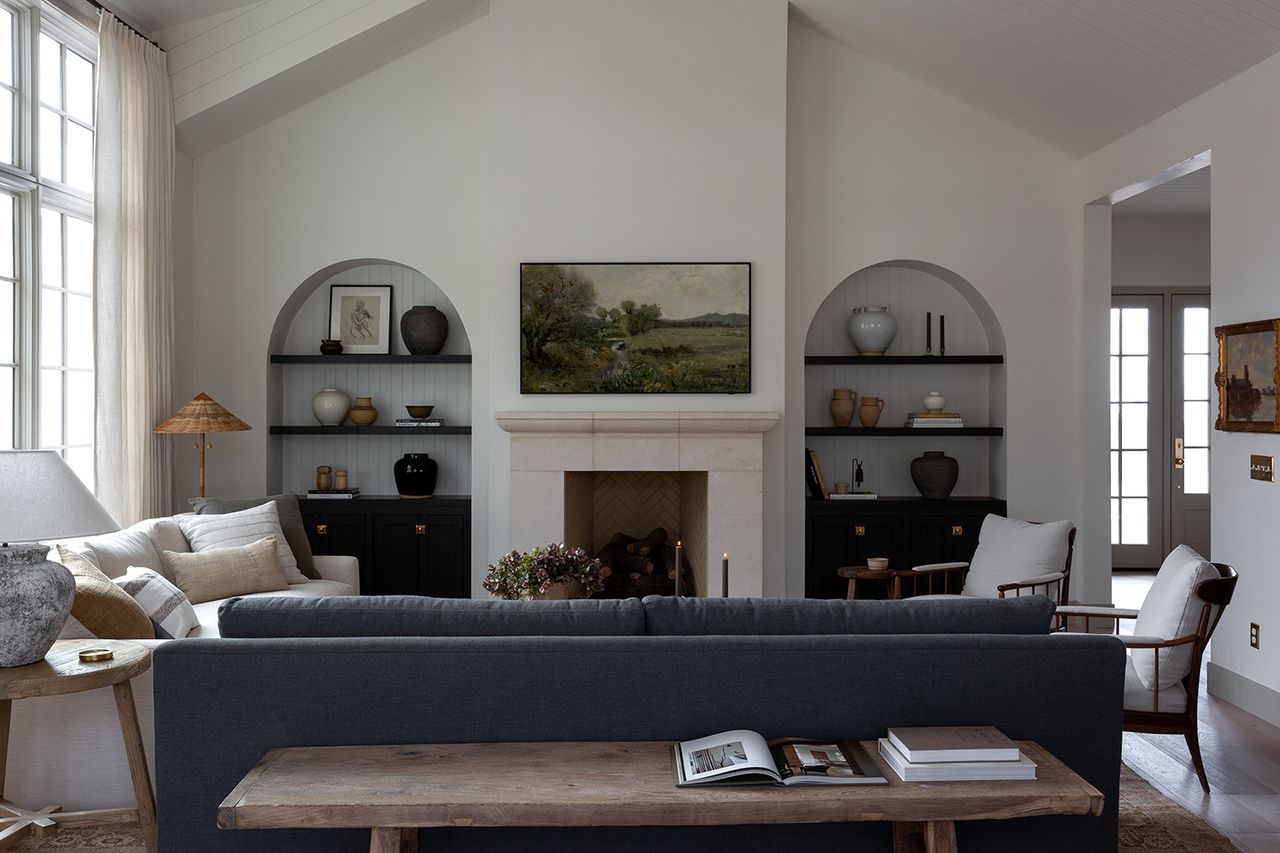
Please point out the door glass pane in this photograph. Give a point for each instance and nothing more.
(1133, 426)
(1133, 521)
(1133, 331)
(1115, 331)
(1195, 377)
(1115, 378)
(1133, 473)
(1196, 472)
(1115, 426)
(79, 255)
(50, 408)
(79, 407)
(1115, 521)
(50, 145)
(79, 331)
(80, 460)
(50, 72)
(50, 327)
(79, 87)
(79, 157)
(1195, 330)
(8, 323)
(1115, 473)
(1133, 379)
(1195, 423)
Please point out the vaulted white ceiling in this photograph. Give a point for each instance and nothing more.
(1077, 74)
(1187, 196)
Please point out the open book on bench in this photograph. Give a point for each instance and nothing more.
(744, 757)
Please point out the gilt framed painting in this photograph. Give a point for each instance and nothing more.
(1248, 373)
(635, 328)
(360, 317)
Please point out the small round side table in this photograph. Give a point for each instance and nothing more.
(60, 673)
(862, 573)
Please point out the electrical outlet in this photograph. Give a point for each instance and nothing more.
(1253, 635)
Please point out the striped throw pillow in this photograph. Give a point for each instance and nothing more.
(167, 606)
(234, 529)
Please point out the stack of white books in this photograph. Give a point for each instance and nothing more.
(954, 754)
(934, 420)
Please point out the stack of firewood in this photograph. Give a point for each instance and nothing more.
(638, 567)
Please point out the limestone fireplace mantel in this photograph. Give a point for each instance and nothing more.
(727, 446)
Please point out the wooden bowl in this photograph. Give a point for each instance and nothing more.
(419, 411)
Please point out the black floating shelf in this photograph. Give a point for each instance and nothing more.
(884, 432)
(370, 430)
(904, 359)
(369, 358)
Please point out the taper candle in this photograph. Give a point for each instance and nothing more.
(928, 332)
(679, 564)
(724, 583)
(942, 334)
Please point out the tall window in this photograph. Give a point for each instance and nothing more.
(47, 85)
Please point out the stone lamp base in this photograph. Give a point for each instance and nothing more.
(35, 601)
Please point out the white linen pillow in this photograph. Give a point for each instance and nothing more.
(1171, 610)
(138, 545)
(1011, 550)
(166, 606)
(233, 529)
(223, 572)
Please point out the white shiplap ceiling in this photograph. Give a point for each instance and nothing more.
(1187, 196)
(1077, 74)
(156, 15)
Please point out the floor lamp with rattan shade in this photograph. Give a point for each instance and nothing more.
(202, 415)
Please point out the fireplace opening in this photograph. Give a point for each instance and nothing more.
(632, 521)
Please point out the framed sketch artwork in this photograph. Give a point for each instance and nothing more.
(635, 328)
(1248, 372)
(360, 317)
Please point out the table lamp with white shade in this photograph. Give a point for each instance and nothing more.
(40, 499)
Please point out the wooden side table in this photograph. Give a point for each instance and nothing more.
(880, 577)
(60, 673)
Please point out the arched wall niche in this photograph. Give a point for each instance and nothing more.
(910, 288)
(302, 322)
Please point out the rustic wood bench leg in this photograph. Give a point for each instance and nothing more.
(393, 840)
(137, 756)
(934, 836)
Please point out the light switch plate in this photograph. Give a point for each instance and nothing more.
(1262, 468)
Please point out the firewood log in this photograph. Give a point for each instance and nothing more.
(644, 546)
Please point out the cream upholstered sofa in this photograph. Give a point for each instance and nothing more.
(67, 750)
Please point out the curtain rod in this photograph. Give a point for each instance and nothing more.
(95, 4)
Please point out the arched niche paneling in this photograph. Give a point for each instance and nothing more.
(299, 327)
(910, 288)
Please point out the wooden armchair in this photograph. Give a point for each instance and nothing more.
(1163, 698)
(952, 578)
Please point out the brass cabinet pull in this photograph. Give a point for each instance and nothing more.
(420, 529)
(322, 530)
(957, 530)
(859, 530)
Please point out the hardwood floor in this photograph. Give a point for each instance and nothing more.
(1241, 756)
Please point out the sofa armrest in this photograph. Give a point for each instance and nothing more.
(343, 569)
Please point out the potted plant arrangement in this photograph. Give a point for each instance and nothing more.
(547, 572)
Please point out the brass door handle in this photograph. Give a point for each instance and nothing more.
(859, 530)
(957, 530)
(1178, 454)
(420, 529)
(322, 530)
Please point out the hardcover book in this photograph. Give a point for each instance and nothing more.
(743, 757)
(953, 743)
(1019, 769)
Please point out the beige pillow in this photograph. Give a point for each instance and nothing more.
(102, 608)
(224, 572)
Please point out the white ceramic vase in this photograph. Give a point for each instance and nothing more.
(872, 328)
(330, 407)
(934, 401)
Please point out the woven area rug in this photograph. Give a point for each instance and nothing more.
(1149, 823)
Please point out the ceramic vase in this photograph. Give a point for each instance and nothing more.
(330, 347)
(841, 406)
(934, 401)
(558, 591)
(424, 329)
(363, 413)
(934, 474)
(330, 407)
(872, 328)
(869, 412)
(35, 600)
(416, 475)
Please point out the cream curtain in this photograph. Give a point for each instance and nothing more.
(133, 274)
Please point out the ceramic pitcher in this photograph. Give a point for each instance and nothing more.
(869, 412)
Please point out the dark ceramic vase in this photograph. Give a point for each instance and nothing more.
(330, 347)
(416, 475)
(934, 474)
(424, 329)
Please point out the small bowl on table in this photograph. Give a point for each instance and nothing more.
(419, 411)
(878, 564)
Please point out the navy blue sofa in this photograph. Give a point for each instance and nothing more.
(305, 672)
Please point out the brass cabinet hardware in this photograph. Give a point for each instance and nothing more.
(322, 529)
(1178, 454)
(859, 530)
(957, 530)
(420, 529)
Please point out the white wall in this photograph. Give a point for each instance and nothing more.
(879, 168)
(1160, 252)
(1240, 122)
(391, 166)
(625, 130)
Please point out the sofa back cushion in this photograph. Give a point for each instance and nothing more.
(416, 616)
(295, 531)
(1011, 550)
(136, 546)
(1171, 610)
(665, 615)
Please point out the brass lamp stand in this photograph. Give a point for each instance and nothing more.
(200, 416)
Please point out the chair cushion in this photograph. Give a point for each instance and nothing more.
(171, 614)
(295, 531)
(1137, 697)
(233, 529)
(1010, 550)
(138, 546)
(224, 572)
(1171, 609)
(101, 607)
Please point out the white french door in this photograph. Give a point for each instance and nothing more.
(1160, 425)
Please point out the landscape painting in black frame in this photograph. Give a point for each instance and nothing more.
(635, 328)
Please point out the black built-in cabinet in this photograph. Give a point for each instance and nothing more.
(405, 547)
(910, 531)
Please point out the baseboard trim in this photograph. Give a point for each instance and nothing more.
(1244, 693)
